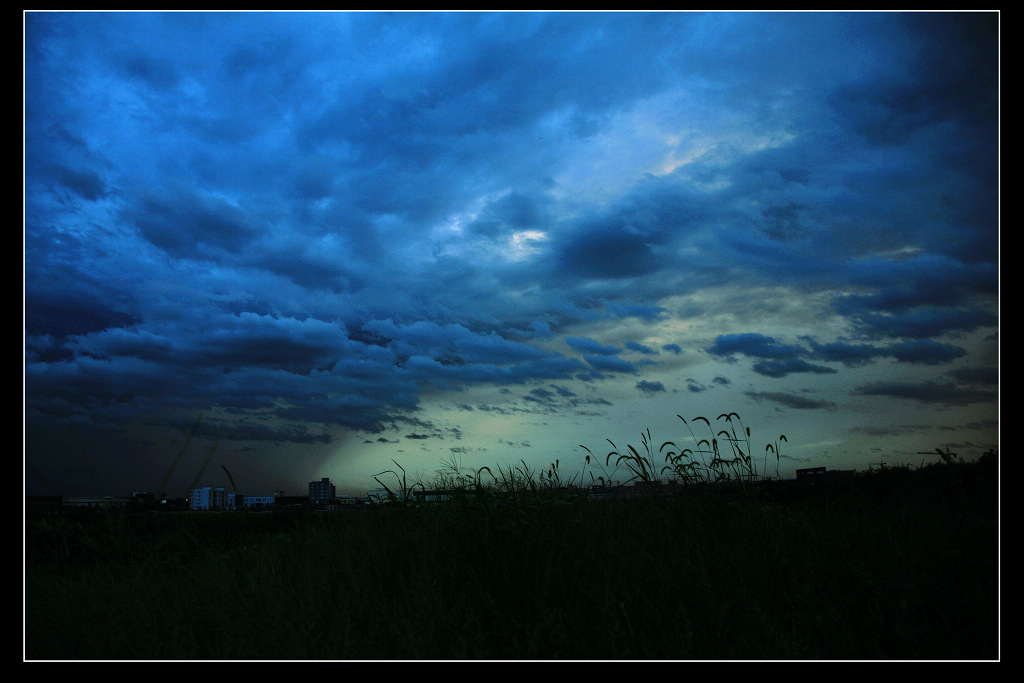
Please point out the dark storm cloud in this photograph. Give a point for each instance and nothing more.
(789, 366)
(563, 391)
(607, 254)
(976, 375)
(944, 393)
(791, 400)
(930, 280)
(754, 345)
(545, 401)
(453, 342)
(823, 219)
(605, 363)
(85, 183)
(844, 352)
(586, 345)
(72, 313)
(639, 348)
(695, 387)
(924, 322)
(223, 429)
(776, 359)
(960, 68)
(649, 387)
(925, 351)
(460, 68)
(637, 238)
(540, 394)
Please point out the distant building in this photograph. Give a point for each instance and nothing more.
(237, 501)
(377, 495)
(813, 476)
(431, 496)
(141, 501)
(810, 476)
(96, 502)
(383, 495)
(342, 502)
(321, 492)
(208, 498)
(43, 503)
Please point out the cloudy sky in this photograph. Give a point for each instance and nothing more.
(301, 245)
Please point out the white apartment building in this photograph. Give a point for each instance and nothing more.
(208, 498)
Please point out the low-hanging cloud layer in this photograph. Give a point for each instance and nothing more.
(307, 225)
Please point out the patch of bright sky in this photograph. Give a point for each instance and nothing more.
(522, 244)
(455, 239)
(658, 136)
(456, 225)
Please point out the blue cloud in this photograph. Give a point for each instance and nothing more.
(789, 366)
(607, 363)
(930, 392)
(610, 254)
(925, 351)
(792, 400)
(639, 348)
(844, 352)
(694, 387)
(920, 323)
(649, 387)
(642, 311)
(754, 345)
(590, 346)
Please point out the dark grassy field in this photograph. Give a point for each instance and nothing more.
(900, 564)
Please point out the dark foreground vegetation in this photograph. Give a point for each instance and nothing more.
(899, 564)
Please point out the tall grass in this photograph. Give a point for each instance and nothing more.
(707, 461)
